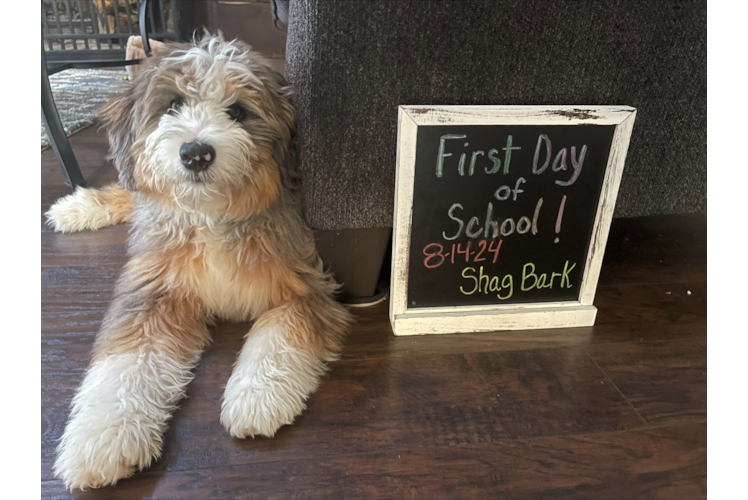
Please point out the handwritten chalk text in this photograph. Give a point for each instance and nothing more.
(491, 229)
(478, 281)
(495, 160)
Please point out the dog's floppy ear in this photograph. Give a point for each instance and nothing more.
(122, 116)
(284, 151)
(118, 116)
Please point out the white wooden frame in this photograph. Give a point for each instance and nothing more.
(418, 321)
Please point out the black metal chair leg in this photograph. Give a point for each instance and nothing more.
(142, 16)
(56, 132)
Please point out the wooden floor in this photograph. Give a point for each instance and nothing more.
(613, 411)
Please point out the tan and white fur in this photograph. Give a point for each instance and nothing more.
(226, 241)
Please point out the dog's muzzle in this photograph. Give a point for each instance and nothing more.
(197, 156)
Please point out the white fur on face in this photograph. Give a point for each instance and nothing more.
(269, 384)
(206, 122)
(118, 417)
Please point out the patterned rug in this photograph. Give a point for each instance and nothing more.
(79, 93)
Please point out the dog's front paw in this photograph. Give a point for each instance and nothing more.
(99, 447)
(78, 469)
(269, 385)
(250, 412)
(88, 459)
(90, 209)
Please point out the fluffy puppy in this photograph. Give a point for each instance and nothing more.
(203, 142)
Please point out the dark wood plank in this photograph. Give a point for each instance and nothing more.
(652, 312)
(373, 337)
(75, 298)
(64, 285)
(658, 249)
(664, 381)
(652, 463)
(105, 246)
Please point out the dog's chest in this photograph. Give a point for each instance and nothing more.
(223, 278)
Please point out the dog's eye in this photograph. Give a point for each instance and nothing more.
(175, 104)
(237, 112)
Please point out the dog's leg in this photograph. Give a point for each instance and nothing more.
(90, 208)
(280, 365)
(150, 340)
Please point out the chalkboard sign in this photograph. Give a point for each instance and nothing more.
(502, 214)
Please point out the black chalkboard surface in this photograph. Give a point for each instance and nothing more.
(502, 214)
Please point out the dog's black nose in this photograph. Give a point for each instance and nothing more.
(197, 156)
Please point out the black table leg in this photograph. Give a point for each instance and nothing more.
(57, 136)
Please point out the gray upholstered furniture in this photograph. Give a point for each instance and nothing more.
(353, 62)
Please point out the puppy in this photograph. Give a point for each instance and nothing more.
(203, 142)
